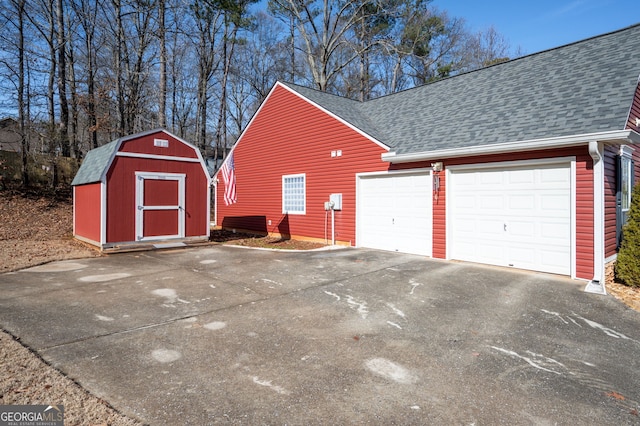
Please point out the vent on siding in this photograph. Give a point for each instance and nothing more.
(162, 143)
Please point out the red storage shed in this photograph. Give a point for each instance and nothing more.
(147, 189)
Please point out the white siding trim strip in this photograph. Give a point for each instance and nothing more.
(158, 157)
(514, 163)
(103, 213)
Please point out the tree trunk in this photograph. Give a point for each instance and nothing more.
(118, 65)
(292, 34)
(62, 83)
(75, 149)
(51, 131)
(24, 141)
(162, 111)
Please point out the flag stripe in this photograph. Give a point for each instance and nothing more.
(229, 176)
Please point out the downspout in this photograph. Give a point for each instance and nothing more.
(597, 284)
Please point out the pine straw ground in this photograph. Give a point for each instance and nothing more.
(36, 230)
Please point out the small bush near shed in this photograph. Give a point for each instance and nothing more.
(628, 263)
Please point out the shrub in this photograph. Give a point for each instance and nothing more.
(628, 263)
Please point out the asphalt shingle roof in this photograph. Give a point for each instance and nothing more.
(584, 87)
(95, 164)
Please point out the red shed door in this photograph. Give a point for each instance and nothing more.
(159, 206)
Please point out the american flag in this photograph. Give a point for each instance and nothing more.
(229, 176)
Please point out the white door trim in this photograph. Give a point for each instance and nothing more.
(141, 208)
(569, 160)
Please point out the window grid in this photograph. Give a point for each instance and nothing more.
(626, 183)
(293, 194)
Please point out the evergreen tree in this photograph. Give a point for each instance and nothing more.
(628, 263)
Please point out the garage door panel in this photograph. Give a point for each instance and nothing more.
(522, 202)
(521, 177)
(555, 175)
(489, 253)
(518, 216)
(465, 202)
(490, 178)
(521, 229)
(394, 213)
(554, 203)
(491, 202)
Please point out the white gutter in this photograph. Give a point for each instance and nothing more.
(616, 136)
(597, 284)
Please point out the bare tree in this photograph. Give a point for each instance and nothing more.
(162, 39)
(323, 26)
(13, 18)
(208, 20)
(486, 48)
(86, 12)
(62, 81)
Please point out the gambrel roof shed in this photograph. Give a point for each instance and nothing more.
(525, 164)
(147, 189)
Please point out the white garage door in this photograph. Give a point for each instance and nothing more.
(394, 213)
(518, 217)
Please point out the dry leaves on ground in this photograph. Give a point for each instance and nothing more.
(36, 230)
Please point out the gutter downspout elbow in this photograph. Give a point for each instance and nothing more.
(597, 284)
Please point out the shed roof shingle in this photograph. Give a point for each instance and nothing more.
(584, 87)
(95, 164)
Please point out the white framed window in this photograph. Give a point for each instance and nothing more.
(625, 184)
(294, 197)
(626, 177)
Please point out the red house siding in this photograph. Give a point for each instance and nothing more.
(121, 195)
(634, 114)
(635, 111)
(610, 243)
(584, 216)
(288, 136)
(87, 210)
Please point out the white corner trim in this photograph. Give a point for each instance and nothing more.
(73, 190)
(617, 136)
(103, 213)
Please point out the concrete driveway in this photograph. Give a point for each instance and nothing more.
(232, 335)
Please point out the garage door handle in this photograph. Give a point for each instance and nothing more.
(505, 227)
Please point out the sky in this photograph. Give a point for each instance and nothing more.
(544, 24)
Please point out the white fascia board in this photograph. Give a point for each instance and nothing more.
(617, 136)
(329, 113)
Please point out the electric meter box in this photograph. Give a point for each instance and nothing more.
(336, 199)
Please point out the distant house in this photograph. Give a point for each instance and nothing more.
(525, 164)
(147, 189)
(9, 136)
